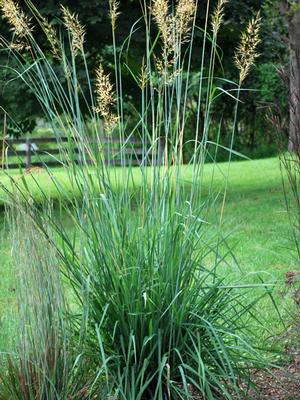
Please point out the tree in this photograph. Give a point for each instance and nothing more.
(294, 35)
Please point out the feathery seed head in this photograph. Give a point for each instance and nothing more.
(51, 34)
(160, 65)
(143, 77)
(113, 12)
(19, 46)
(164, 21)
(174, 27)
(185, 12)
(105, 98)
(163, 69)
(110, 122)
(105, 92)
(160, 11)
(246, 52)
(218, 16)
(20, 23)
(75, 28)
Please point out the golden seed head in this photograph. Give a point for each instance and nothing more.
(218, 16)
(160, 66)
(174, 28)
(110, 122)
(19, 46)
(185, 13)
(246, 52)
(51, 34)
(166, 70)
(105, 92)
(75, 28)
(160, 11)
(105, 98)
(114, 12)
(164, 21)
(143, 77)
(20, 23)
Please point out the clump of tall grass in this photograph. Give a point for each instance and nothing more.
(290, 170)
(159, 321)
(42, 362)
(289, 158)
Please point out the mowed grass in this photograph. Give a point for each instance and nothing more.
(255, 222)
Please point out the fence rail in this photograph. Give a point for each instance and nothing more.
(45, 151)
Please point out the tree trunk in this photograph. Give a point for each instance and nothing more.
(294, 41)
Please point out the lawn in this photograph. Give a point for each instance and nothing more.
(255, 220)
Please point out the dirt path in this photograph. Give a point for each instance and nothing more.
(279, 384)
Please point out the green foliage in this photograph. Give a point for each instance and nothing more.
(163, 321)
(254, 202)
(255, 136)
(270, 84)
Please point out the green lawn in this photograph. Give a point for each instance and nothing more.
(246, 177)
(255, 218)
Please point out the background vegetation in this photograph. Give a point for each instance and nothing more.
(255, 135)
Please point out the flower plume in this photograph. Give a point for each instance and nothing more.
(246, 52)
(218, 16)
(184, 15)
(176, 27)
(160, 10)
(20, 23)
(143, 77)
(105, 98)
(113, 12)
(75, 28)
(51, 34)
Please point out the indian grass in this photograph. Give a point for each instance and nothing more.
(156, 321)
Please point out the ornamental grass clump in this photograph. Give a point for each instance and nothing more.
(153, 318)
(43, 362)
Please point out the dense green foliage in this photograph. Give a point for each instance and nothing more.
(254, 203)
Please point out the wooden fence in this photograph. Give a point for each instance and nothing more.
(42, 151)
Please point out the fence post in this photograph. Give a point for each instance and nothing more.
(161, 150)
(28, 153)
(3, 141)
